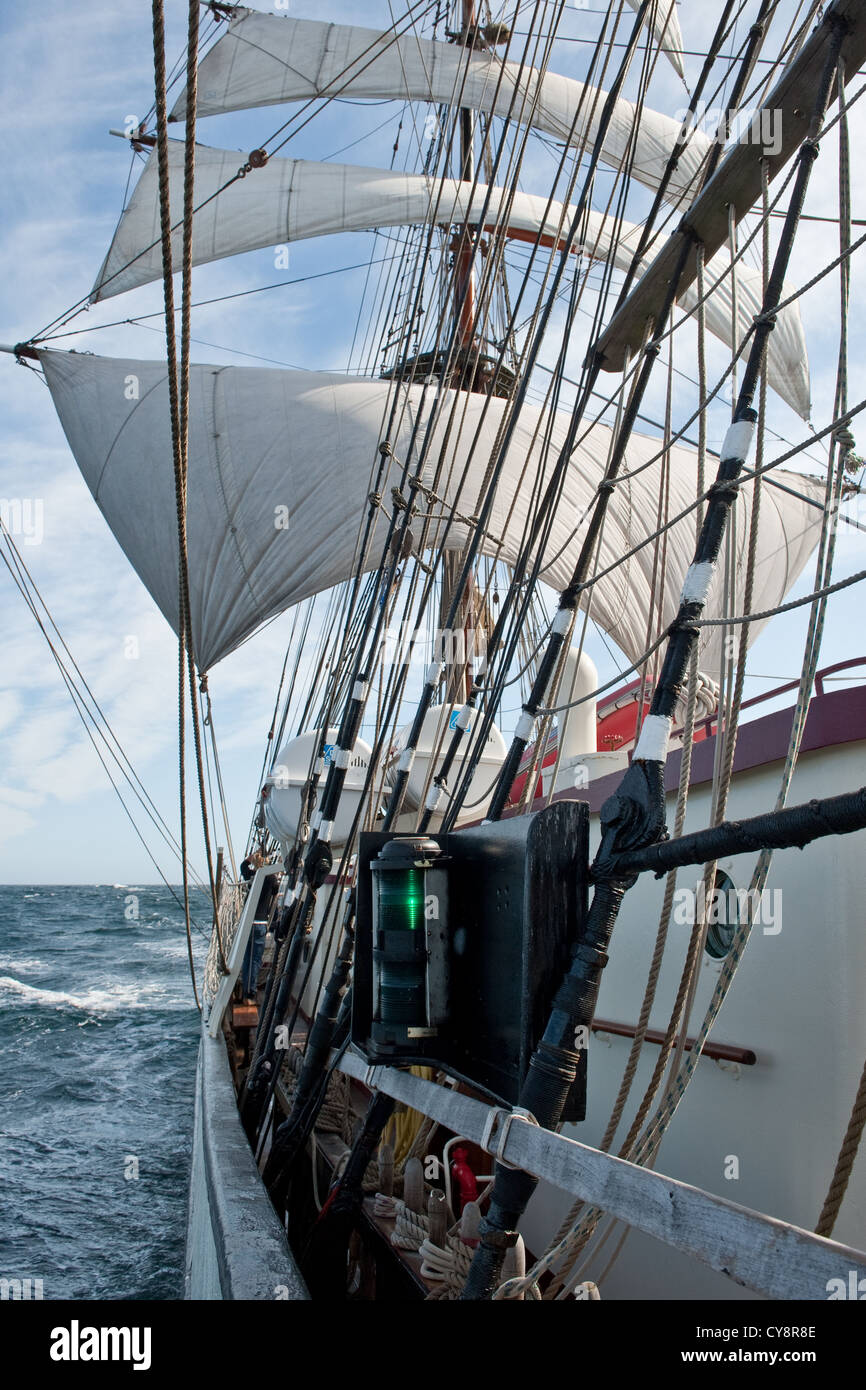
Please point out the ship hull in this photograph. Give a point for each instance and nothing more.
(236, 1247)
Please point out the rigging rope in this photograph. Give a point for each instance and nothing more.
(634, 823)
(648, 1146)
(178, 386)
(174, 415)
(857, 1121)
(29, 591)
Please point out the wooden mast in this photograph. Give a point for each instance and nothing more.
(464, 278)
(458, 680)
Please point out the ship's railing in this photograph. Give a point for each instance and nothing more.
(231, 902)
(756, 1251)
(839, 666)
(708, 724)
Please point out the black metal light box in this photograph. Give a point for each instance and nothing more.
(463, 939)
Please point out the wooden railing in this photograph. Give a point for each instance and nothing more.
(756, 1251)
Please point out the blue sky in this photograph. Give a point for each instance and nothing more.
(70, 73)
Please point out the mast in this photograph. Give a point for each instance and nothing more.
(458, 683)
(464, 279)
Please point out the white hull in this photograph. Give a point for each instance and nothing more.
(796, 1001)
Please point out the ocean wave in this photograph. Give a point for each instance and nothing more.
(173, 950)
(17, 963)
(111, 999)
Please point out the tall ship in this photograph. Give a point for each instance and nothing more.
(526, 984)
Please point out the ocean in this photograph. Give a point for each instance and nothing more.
(98, 1040)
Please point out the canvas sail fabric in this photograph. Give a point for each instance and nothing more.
(291, 199)
(263, 60)
(665, 28)
(267, 444)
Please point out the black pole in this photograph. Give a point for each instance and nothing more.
(325, 1259)
(796, 826)
(294, 1131)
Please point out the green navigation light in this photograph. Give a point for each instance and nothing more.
(400, 946)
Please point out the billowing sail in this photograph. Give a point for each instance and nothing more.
(281, 465)
(265, 59)
(290, 199)
(666, 31)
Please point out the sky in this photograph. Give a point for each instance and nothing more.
(69, 74)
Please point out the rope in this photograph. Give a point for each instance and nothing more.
(404, 1126)
(446, 1265)
(385, 1206)
(183, 421)
(177, 451)
(838, 423)
(648, 1145)
(411, 1229)
(651, 1140)
(857, 1120)
(23, 581)
(178, 387)
(89, 708)
(726, 737)
(813, 597)
(657, 956)
(209, 724)
(335, 1115)
(667, 905)
(732, 723)
(845, 1162)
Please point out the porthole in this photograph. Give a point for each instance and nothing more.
(723, 917)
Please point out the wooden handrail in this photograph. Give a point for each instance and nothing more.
(773, 1257)
(719, 1052)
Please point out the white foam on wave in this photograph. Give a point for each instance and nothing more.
(111, 999)
(17, 963)
(174, 950)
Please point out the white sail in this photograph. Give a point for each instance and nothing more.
(265, 59)
(291, 199)
(665, 28)
(280, 467)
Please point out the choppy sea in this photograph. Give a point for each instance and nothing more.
(98, 1041)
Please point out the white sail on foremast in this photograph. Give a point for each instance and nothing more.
(264, 60)
(289, 200)
(665, 27)
(268, 445)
